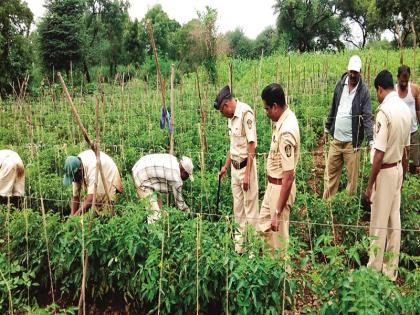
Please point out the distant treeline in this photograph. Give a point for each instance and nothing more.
(85, 38)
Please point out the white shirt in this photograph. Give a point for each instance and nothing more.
(160, 172)
(411, 103)
(111, 174)
(343, 121)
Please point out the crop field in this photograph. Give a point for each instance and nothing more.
(186, 263)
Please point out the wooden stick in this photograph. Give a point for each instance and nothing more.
(414, 51)
(230, 74)
(84, 131)
(172, 104)
(159, 73)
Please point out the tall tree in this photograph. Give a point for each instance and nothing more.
(61, 34)
(133, 45)
(15, 58)
(267, 40)
(401, 13)
(358, 12)
(164, 29)
(240, 46)
(208, 20)
(309, 24)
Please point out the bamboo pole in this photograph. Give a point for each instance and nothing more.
(172, 103)
(414, 51)
(230, 74)
(159, 73)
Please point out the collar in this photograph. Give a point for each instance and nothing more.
(389, 96)
(282, 118)
(238, 109)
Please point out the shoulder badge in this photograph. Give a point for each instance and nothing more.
(288, 150)
(378, 127)
(249, 122)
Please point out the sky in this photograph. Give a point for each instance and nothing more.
(252, 16)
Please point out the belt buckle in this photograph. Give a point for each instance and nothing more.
(235, 164)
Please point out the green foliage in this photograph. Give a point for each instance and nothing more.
(133, 46)
(61, 35)
(398, 12)
(164, 29)
(15, 54)
(359, 12)
(309, 25)
(240, 46)
(327, 274)
(208, 20)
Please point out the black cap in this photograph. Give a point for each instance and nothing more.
(223, 94)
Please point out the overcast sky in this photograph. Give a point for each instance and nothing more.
(252, 16)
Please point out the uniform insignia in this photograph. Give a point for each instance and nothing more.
(378, 127)
(249, 122)
(288, 150)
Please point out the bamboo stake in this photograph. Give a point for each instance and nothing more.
(159, 73)
(414, 51)
(82, 299)
(230, 73)
(172, 104)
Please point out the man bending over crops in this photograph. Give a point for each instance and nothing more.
(241, 161)
(410, 94)
(281, 166)
(161, 173)
(349, 119)
(81, 171)
(12, 178)
(390, 162)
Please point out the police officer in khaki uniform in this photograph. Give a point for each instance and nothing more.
(390, 162)
(281, 165)
(241, 161)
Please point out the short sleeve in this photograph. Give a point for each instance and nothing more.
(381, 132)
(287, 151)
(250, 128)
(77, 187)
(90, 181)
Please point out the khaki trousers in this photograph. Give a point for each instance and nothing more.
(385, 223)
(414, 149)
(245, 203)
(279, 239)
(10, 183)
(341, 153)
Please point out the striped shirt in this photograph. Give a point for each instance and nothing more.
(160, 172)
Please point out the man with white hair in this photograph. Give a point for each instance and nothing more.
(161, 173)
(348, 122)
(12, 177)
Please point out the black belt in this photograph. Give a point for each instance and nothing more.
(237, 165)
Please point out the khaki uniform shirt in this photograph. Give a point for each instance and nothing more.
(285, 145)
(392, 128)
(242, 131)
(109, 169)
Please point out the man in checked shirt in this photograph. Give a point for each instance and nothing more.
(161, 173)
